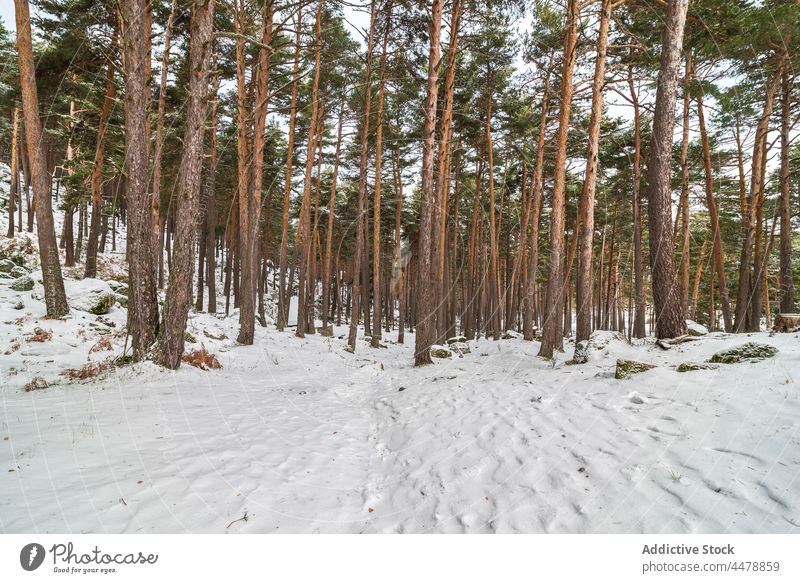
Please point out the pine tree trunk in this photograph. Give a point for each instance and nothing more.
(583, 290)
(744, 297)
(375, 340)
(155, 196)
(305, 243)
(179, 292)
(251, 179)
(553, 330)
(211, 199)
(54, 296)
(718, 251)
(786, 283)
(536, 212)
(640, 308)
(424, 304)
(142, 305)
(13, 187)
(90, 269)
(326, 269)
(684, 200)
(670, 319)
(284, 294)
(361, 226)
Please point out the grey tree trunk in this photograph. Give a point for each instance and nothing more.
(179, 292)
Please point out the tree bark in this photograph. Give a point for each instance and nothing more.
(553, 329)
(425, 308)
(583, 291)
(54, 295)
(670, 319)
(90, 269)
(361, 226)
(786, 282)
(179, 292)
(718, 251)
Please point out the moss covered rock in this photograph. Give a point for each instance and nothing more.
(460, 347)
(441, 352)
(456, 339)
(628, 368)
(690, 366)
(189, 337)
(23, 283)
(750, 351)
(6, 265)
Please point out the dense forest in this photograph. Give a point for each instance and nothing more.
(452, 169)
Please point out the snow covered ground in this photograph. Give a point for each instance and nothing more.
(299, 435)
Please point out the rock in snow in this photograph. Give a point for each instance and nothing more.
(751, 351)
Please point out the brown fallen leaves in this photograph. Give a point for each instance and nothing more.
(103, 344)
(201, 358)
(88, 370)
(40, 335)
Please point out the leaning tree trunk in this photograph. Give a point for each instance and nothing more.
(670, 319)
(553, 329)
(54, 296)
(716, 234)
(179, 292)
(425, 316)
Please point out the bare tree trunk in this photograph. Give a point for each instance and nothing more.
(284, 294)
(54, 296)
(179, 292)
(142, 305)
(442, 185)
(716, 233)
(90, 269)
(398, 250)
(744, 293)
(553, 331)
(786, 283)
(670, 319)
(250, 186)
(684, 200)
(583, 290)
(326, 270)
(211, 200)
(375, 340)
(305, 242)
(638, 330)
(536, 211)
(13, 187)
(424, 305)
(361, 226)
